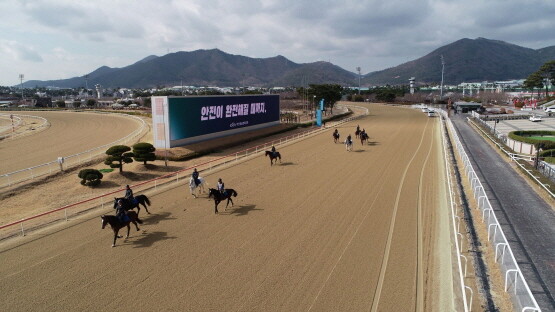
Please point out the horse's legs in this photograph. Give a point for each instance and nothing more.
(144, 205)
(229, 200)
(115, 237)
(129, 229)
(216, 202)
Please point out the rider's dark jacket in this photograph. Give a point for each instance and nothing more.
(129, 194)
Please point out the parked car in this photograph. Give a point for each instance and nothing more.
(550, 109)
(535, 118)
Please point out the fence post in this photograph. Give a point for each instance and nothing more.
(22, 230)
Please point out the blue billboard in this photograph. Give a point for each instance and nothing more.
(192, 119)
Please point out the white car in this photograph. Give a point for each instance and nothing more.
(535, 118)
(431, 113)
(550, 109)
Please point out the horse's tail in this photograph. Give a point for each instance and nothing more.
(147, 200)
(139, 220)
(234, 193)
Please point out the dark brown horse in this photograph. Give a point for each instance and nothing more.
(335, 137)
(273, 156)
(128, 205)
(116, 224)
(218, 197)
(363, 138)
(357, 132)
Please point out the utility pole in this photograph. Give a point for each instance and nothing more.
(442, 70)
(358, 70)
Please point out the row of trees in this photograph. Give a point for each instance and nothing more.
(117, 156)
(76, 104)
(542, 77)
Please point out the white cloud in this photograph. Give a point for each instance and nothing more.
(74, 37)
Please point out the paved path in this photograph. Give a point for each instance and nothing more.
(527, 220)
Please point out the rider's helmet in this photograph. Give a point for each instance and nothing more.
(220, 180)
(127, 186)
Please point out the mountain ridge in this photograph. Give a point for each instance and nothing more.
(466, 60)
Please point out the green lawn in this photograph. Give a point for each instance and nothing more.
(547, 138)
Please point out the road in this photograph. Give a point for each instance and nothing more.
(527, 220)
(326, 230)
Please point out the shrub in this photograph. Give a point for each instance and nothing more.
(90, 177)
(523, 136)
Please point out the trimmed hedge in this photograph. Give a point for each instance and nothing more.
(90, 177)
(548, 153)
(522, 136)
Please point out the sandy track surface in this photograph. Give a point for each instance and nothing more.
(326, 230)
(65, 136)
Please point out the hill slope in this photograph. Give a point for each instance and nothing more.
(468, 60)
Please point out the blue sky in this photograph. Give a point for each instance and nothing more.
(58, 39)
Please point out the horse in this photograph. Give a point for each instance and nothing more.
(335, 137)
(357, 133)
(116, 224)
(273, 156)
(348, 145)
(128, 205)
(193, 186)
(218, 197)
(364, 137)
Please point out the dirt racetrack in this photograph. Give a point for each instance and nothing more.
(66, 136)
(326, 230)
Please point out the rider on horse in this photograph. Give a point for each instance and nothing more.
(221, 186)
(274, 151)
(336, 132)
(349, 139)
(129, 195)
(121, 213)
(358, 128)
(195, 177)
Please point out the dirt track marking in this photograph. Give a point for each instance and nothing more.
(377, 293)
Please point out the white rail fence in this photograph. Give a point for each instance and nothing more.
(515, 283)
(17, 121)
(54, 166)
(173, 179)
(456, 222)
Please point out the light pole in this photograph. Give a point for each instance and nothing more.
(442, 69)
(21, 86)
(358, 70)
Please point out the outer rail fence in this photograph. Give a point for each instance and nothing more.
(467, 305)
(34, 172)
(515, 284)
(18, 122)
(171, 180)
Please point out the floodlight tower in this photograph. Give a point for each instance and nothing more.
(358, 70)
(21, 76)
(442, 70)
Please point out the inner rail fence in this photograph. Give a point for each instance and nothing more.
(514, 282)
(32, 173)
(170, 180)
(9, 130)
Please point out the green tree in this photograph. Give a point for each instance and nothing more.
(331, 93)
(144, 152)
(77, 104)
(118, 155)
(90, 177)
(60, 103)
(534, 81)
(91, 102)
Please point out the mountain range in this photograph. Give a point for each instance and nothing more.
(466, 60)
